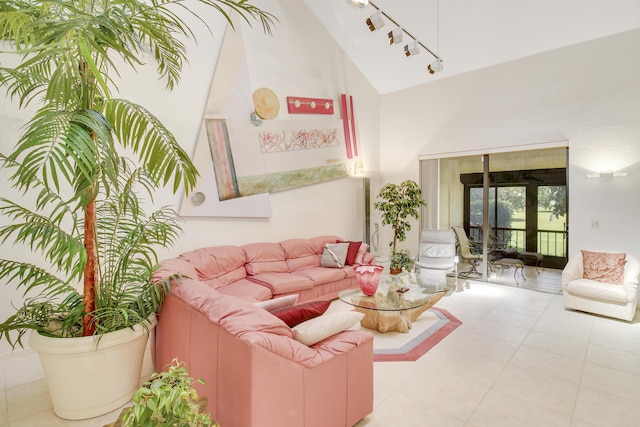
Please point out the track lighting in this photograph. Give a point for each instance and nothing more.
(395, 36)
(435, 67)
(375, 21)
(411, 49)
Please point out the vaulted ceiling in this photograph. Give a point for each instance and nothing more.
(467, 34)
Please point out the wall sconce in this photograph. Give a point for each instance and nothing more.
(606, 175)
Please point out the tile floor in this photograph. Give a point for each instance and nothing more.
(518, 359)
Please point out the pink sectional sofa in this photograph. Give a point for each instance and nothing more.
(256, 373)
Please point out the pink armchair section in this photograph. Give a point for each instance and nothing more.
(255, 372)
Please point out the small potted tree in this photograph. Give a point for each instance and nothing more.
(397, 204)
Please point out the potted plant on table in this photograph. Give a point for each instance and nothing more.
(397, 204)
(82, 211)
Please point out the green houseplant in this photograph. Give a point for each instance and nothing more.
(83, 199)
(397, 203)
(167, 399)
(401, 259)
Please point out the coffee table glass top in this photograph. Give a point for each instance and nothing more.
(395, 293)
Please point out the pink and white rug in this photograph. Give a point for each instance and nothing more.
(427, 331)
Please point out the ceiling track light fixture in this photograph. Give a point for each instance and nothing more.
(395, 36)
(434, 67)
(375, 22)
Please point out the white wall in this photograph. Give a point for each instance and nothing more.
(588, 94)
(299, 59)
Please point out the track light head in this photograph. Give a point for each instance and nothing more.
(360, 3)
(435, 67)
(375, 21)
(395, 36)
(411, 49)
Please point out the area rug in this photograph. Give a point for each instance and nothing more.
(427, 331)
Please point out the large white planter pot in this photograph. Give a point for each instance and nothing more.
(88, 378)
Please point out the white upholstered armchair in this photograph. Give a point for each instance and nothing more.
(436, 256)
(583, 290)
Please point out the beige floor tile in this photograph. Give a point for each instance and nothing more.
(500, 410)
(500, 330)
(553, 394)
(606, 410)
(27, 400)
(447, 392)
(554, 365)
(557, 344)
(483, 345)
(401, 410)
(612, 358)
(472, 367)
(394, 374)
(614, 381)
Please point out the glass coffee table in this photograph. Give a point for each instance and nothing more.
(396, 304)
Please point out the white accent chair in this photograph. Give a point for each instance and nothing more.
(436, 257)
(612, 300)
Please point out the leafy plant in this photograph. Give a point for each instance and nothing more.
(397, 204)
(401, 259)
(85, 217)
(168, 399)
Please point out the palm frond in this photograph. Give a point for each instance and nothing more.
(157, 148)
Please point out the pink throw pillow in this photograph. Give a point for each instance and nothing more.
(603, 266)
(297, 314)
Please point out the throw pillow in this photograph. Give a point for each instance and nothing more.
(604, 267)
(352, 252)
(334, 255)
(315, 330)
(276, 303)
(297, 314)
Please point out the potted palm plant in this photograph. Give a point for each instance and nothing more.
(82, 209)
(397, 204)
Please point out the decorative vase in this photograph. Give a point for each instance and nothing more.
(368, 278)
(89, 377)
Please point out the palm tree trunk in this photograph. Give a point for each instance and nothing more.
(90, 268)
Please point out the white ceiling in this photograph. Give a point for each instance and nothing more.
(466, 34)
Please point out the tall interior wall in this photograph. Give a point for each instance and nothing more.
(566, 94)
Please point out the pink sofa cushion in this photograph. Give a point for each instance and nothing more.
(235, 315)
(320, 275)
(283, 283)
(300, 253)
(172, 266)
(319, 242)
(265, 258)
(247, 290)
(217, 266)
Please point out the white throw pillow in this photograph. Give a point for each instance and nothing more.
(334, 255)
(320, 328)
(276, 303)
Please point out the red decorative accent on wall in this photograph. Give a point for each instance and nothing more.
(299, 105)
(345, 122)
(353, 127)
